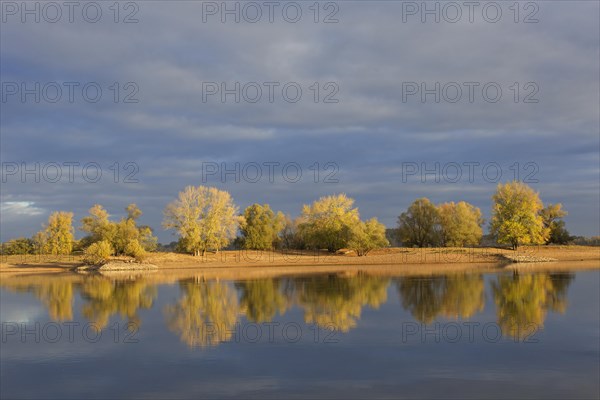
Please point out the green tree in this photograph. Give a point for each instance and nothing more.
(419, 225)
(204, 217)
(367, 236)
(460, 224)
(57, 237)
(291, 237)
(516, 215)
(552, 216)
(18, 246)
(260, 227)
(328, 222)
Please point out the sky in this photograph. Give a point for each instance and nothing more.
(285, 102)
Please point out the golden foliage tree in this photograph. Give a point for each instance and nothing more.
(367, 236)
(516, 218)
(260, 227)
(460, 224)
(57, 237)
(204, 217)
(328, 222)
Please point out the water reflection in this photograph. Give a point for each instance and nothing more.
(55, 294)
(262, 299)
(451, 296)
(522, 300)
(336, 301)
(207, 311)
(105, 298)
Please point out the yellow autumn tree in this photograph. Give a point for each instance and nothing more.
(205, 218)
(460, 224)
(516, 218)
(57, 237)
(328, 222)
(367, 236)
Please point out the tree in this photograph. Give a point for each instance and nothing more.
(133, 212)
(57, 237)
(204, 217)
(97, 252)
(367, 236)
(552, 216)
(516, 215)
(419, 225)
(120, 235)
(18, 246)
(97, 225)
(328, 222)
(460, 224)
(260, 227)
(290, 234)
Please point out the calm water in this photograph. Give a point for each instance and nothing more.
(326, 336)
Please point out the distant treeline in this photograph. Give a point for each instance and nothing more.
(206, 219)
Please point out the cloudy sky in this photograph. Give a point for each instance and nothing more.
(175, 92)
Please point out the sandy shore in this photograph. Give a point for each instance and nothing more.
(390, 261)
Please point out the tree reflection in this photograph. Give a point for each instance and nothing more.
(105, 298)
(522, 300)
(206, 313)
(56, 294)
(336, 302)
(452, 296)
(261, 299)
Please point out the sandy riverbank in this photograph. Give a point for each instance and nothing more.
(390, 261)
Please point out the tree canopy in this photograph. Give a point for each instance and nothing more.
(205, 218)
(516, 218)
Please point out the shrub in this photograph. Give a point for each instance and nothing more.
(97, 252)
(135, 250)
